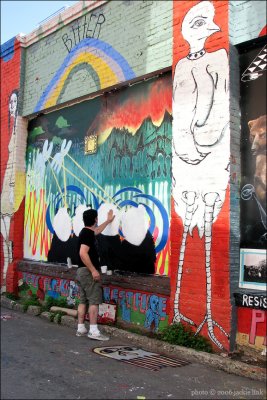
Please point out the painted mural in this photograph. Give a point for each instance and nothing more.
(141, 308)
(110, 152)
(251, 328)
(45, 286)
(200, 161)
(7, 195)
(144, 309)
(253, 61)
(95, 46)
(103, 63)
(12, 174)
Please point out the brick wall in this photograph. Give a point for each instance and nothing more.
(95, 46)
(247, 20)
(112, 43)
(200, 277)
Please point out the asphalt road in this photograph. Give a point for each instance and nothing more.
(43, 360)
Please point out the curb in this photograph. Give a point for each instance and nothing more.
(219, 362)
(222, 363)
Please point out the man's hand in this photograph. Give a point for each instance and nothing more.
(110, 216)
(96, 275)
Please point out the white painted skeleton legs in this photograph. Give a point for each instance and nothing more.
(190, 196)
(209, 200)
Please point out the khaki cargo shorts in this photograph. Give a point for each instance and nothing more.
(90, 291)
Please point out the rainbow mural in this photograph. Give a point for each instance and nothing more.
(104, 63)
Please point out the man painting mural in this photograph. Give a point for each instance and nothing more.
(88, 273)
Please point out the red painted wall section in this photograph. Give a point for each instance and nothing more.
(193, 294)
(251, 323)
(263, 32)
(10, 81)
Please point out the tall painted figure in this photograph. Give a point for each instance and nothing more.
(200, 144)
(7, 195)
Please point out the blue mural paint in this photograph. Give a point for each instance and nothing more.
(58, 201)
(165, 220)
(8, 49)
(83, 45)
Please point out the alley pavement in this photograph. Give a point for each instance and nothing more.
(44, 360)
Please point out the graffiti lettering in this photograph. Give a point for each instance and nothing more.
(64, 287)
(257, 317)
(135, 300)
(90, 29)
(151, 306)
(254, 301)
(129, 296)
(53, 287)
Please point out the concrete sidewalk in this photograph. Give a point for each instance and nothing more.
(217, 361)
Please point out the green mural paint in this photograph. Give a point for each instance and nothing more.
(132, 164)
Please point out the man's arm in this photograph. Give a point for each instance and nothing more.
(88, 263)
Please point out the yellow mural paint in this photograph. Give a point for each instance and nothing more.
(106, 76)
(105, 134)
(166, 265)
(159, 263)
(19, 189)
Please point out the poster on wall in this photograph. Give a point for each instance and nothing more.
(253, 60)
(252, 269)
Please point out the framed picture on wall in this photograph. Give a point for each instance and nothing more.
(252, 269)
(253, 66)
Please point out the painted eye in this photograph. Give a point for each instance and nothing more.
(198, 23)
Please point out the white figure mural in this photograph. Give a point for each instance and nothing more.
(133, 221)
(39, 167)
(200, 144)
(38, 170)
(113, 228)
(135, 224)
(62, 223)
(7, 195)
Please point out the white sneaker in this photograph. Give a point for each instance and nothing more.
(81, 332)
(97, 336)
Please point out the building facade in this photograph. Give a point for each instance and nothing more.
(157, 110)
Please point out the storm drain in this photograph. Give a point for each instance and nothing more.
(139, 357)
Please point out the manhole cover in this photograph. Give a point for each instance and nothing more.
(139, 357)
